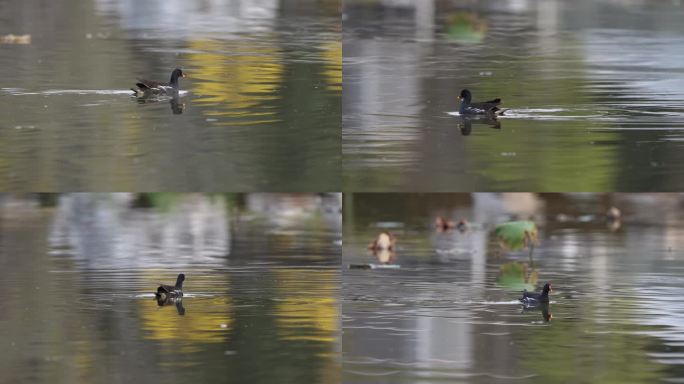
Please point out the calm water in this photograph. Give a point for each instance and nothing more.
(447, 314)
(261, 290)
(261, 111)
(594, 92)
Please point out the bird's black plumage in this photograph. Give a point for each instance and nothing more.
(482, 108)
(166, 291)
(532, 299)
(157, 88)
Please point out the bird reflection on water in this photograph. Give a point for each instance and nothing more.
(543, 308)
(177, 107)
(465, 123)
(385, 256)
(177, 301)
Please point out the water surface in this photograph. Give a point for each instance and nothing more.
(449, 314)
(261, 289)
(261, 111)
(594, 92)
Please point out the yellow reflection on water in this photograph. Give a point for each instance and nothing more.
(309, 310)
(206, 320)
(84, 356)
(237, 82)
(332, 54)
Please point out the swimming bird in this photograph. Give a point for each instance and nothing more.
(148, 88)
(170, 291)
(384, 241)
(613, 214)
(531, 299)
(444, 225)
(482, 108)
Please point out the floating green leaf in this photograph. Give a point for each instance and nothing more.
(516, 235)
(466, 27)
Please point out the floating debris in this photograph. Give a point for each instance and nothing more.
(15, 39)
(374, 266)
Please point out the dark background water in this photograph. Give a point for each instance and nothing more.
(261, 289)
(448, 313)
(594, 90)
(262, 110)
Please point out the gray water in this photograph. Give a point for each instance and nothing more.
(260, 108)
(593, 90)
(447, 313)
(261, 289)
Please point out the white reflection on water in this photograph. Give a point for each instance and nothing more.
(181, 19)
(448, 315)
(49, 92)
(288, 210)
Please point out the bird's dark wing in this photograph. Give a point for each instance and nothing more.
(488, 106)
(474, 109)
(142, 84)
(530, 295)
(165, 288)
(530, 302)
(524, 295)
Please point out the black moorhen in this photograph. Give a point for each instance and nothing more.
(531, 299)
(482, 108)
(169, 291)
(148, 88)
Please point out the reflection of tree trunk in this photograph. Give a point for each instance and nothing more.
(531, 246)
(425, 19)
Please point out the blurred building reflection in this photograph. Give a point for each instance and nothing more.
(291, 209)
(103, 231)
(182, 19)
